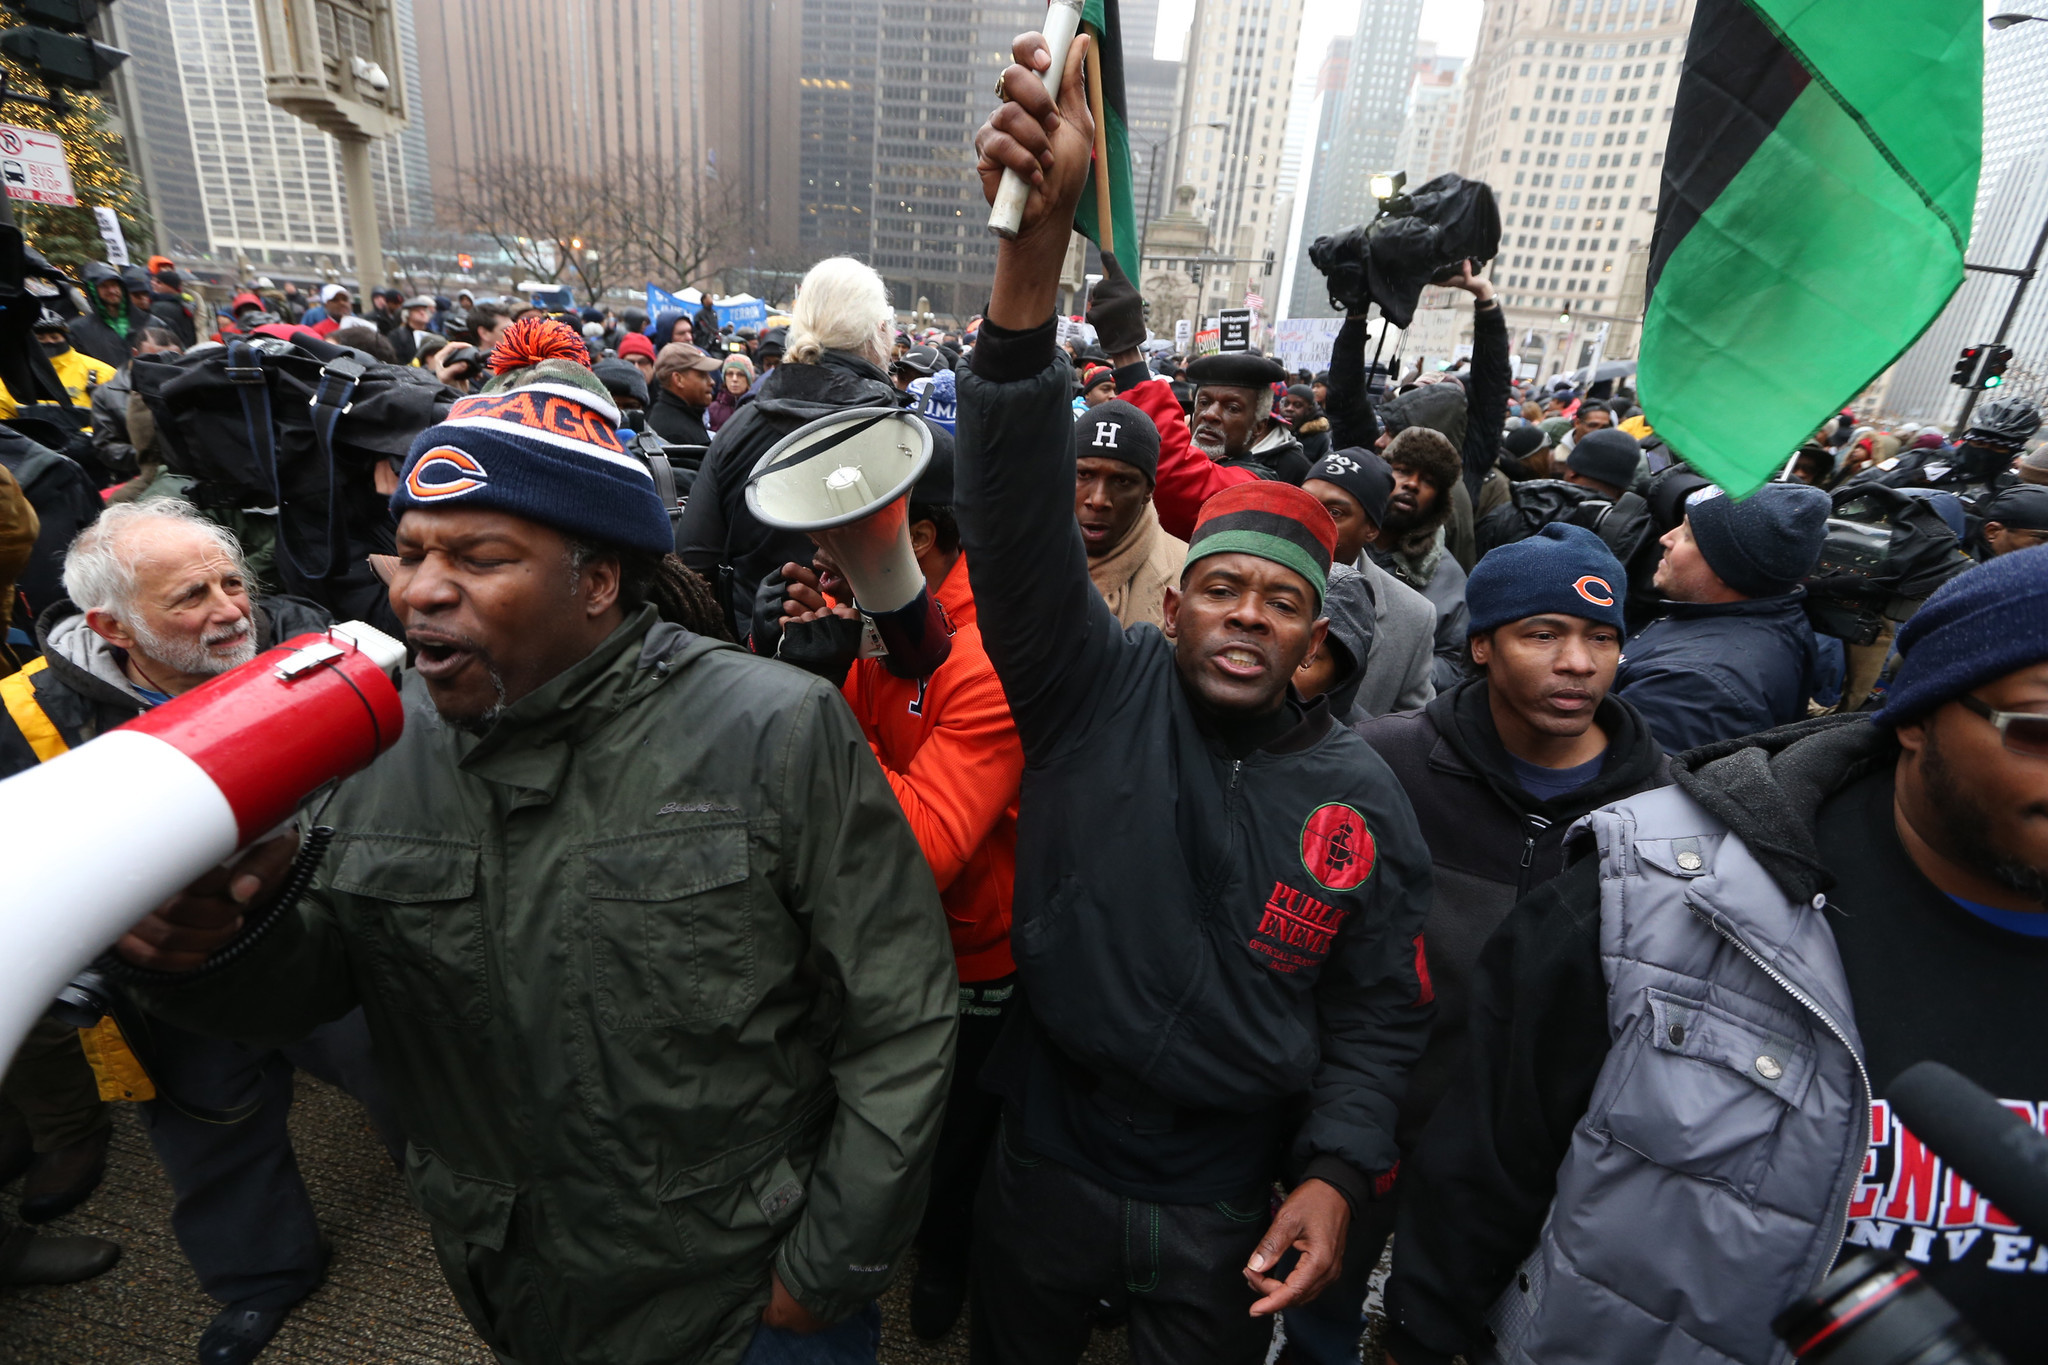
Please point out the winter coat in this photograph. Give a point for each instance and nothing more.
(677, 422)
(79, 373)
(1212, 932)
(723, 407)
(172, 314)
(1654, 1149)
(1314, 435)
(951, 754)
(1398, 665)
(94, 334)
(66, 502)
(18, 528)
(1709, 671)
(77, 689)
(718, 535)
(1475, 430)
(1440, 578)
(656, 984)
(110, 427)
(1490, 843)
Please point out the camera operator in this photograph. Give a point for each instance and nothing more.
(1668, 1101)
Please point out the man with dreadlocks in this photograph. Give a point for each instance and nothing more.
(653, 968)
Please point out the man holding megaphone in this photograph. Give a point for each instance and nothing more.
(1220, 892)
(654, 973)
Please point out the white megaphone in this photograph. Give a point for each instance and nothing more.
(846, 480)
(203, 775)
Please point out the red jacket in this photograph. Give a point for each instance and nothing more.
(952, 754)
(1187, 477)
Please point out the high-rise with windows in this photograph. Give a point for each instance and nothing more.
(1367, 135)
(2012, 209)
(1151, 96)
(1568, 109)
(1431, 134)
(227, 172)
(1238, 73)
(1306, 296)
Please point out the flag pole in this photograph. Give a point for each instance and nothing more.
(1105, 211)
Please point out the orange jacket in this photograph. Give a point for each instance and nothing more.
(952, 754)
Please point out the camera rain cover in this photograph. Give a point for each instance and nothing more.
(1388, 261)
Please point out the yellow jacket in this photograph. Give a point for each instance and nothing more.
(78, 372)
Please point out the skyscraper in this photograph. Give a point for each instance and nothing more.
(1366, 137)
(1238, 73)
(1568, 108)
(1431, 134)
(2012, 208)
(228, 173)
(1305, 294)
(1151, 96)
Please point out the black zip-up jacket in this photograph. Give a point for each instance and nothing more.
(719, 536)
(1491, 843)
(1353, 422)
(1220, 932)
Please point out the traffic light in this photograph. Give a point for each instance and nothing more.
(1965, 375)
(1269, 263)
(1195, 273)
(1996, 358)
(53, 43)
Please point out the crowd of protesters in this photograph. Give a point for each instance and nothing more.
(1408, 839)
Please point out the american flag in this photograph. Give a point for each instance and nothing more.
(1254, 302)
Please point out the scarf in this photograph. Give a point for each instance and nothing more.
(1133, 575)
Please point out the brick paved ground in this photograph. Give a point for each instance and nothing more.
(384, 1302)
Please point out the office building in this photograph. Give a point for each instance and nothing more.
(1567, 110)
(227, 174)
(2011, 213)
(1238, 74)
(1432, 138)
(1366, 138)
(1151, 98)
(1304, 285)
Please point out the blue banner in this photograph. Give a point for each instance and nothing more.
(752, 313)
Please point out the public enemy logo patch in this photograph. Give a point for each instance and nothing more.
(1295, 929)
(1336, 847)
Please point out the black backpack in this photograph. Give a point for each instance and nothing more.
(1623, 523)
(1885, 553)
(297, 426)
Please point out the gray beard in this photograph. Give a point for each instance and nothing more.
(192, 657)
(1209, 446)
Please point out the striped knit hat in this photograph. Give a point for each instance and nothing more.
(542, 444)
(1274, 521)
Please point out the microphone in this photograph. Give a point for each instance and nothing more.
(1987, 1144)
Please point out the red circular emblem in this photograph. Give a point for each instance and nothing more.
(1336, 847)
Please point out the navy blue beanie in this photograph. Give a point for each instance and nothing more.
(1761, 545)
(1562, 570)
(548, 451)
(1982, 624)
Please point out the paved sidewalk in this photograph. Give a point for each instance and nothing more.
(384, 1302)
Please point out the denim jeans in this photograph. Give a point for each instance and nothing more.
(852, 1342)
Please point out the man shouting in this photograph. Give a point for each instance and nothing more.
(1220, 893)
(654, 971)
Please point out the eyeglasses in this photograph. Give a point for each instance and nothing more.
(2022, 732)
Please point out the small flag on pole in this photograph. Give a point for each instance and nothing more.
(1107, 215)
(1255, 302)
(1817, 194)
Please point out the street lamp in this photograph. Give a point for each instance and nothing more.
(1152, 151)
(2005, 21)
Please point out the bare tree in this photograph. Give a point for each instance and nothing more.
(677, 226)
(547, 222)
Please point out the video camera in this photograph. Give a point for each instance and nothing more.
(1417, 239)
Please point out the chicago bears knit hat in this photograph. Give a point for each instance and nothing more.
(1562, 570)
(545, 447)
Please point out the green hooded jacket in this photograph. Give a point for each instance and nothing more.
(660, 987)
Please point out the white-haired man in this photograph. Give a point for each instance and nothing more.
(840, 337)
(159, 601)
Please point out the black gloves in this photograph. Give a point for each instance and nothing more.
(827, 646)
(1116, 310)
(767, 619)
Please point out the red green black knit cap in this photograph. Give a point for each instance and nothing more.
(1273, 521)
